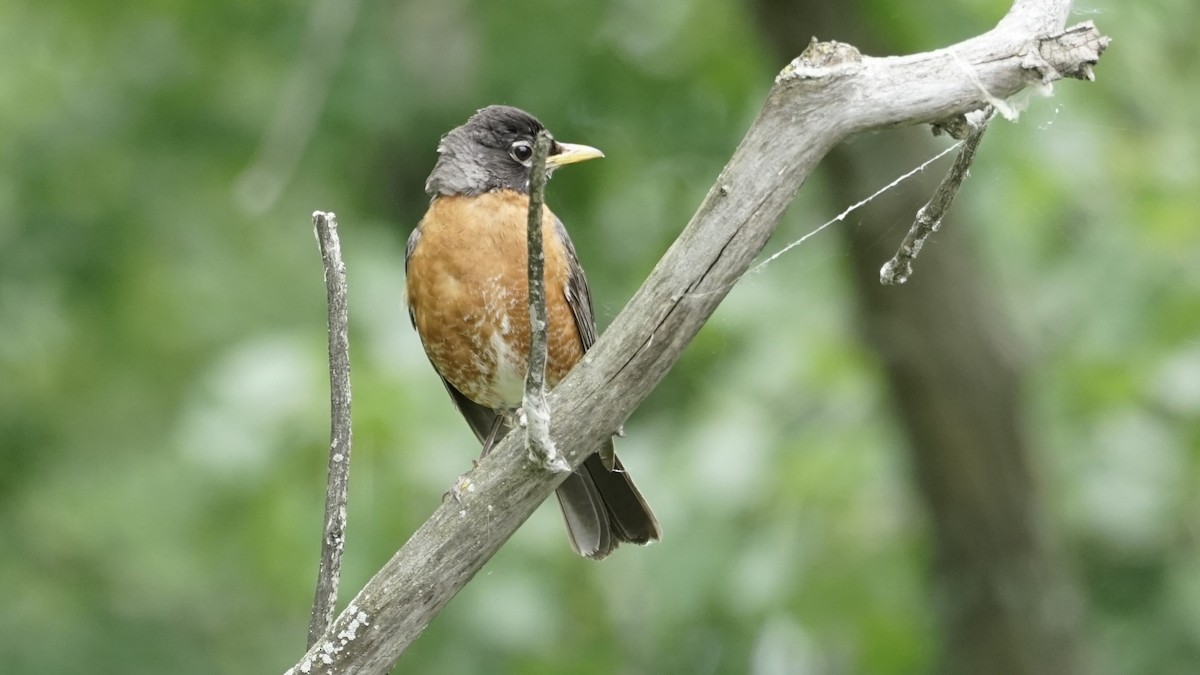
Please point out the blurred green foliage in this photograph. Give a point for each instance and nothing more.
(162, 380)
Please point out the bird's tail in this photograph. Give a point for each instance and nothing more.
(603, 508)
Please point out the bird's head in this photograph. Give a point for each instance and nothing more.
(493, 150)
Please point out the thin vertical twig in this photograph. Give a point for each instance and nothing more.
(333, 538)
(537, 414)
(929, 217)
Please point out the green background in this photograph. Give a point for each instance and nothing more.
(163, 393)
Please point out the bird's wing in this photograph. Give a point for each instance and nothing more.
(489, 427)
(579, 297)
(413, 240)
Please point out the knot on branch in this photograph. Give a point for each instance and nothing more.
(821, 59)
(1071, 53)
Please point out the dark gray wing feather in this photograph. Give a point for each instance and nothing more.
(579, 299)
(579, 296)
(413, 240)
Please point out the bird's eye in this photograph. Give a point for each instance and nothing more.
(521, 151)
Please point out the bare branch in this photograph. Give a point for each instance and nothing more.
(929, 217)
(333, 539)
(814, 104)
(537, 414)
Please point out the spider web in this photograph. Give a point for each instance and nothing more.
(852, 208)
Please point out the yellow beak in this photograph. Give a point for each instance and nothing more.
(571, 153)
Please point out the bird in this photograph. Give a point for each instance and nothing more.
(467, 291)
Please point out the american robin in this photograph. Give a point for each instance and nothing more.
(468, 299)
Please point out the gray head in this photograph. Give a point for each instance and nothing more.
(493, 151)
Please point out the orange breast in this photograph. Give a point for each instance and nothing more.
(469, 293)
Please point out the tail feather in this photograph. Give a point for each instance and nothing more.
(603, 508)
